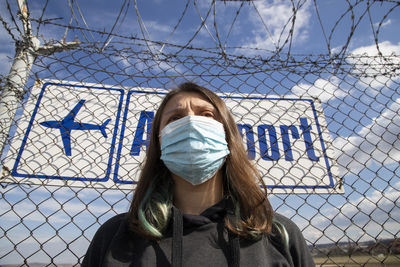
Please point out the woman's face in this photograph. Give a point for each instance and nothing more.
(185, 104)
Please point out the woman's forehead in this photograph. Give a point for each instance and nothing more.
(184, 99)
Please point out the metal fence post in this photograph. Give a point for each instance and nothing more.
(13, 90)
(14, 87)
(25, 55)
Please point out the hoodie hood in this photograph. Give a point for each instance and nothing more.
(185, 223)
(213, 214)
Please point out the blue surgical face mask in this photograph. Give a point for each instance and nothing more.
(194, 148)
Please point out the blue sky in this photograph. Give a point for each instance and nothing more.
(367, 108)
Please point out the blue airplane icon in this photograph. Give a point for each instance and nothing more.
(68, 124)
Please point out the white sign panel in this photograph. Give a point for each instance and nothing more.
(88, 135)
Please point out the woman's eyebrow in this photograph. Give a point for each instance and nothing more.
(175, 110)
(204, 106)
(196, 107)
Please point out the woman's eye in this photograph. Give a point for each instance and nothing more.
(208, 114)
(174, 118)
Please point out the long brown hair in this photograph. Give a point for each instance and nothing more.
(151, 203)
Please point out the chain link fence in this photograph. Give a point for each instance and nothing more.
(54, 224)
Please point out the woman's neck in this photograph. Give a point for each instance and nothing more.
(194, 199)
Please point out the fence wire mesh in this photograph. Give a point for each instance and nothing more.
(359, 95)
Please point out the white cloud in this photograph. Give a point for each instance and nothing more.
(157, 65)
(322, 89)
(59, 211)
(376, 72)
(384, 24)
(154, 26)
(276, 15)
(379, 141)
(361, 219)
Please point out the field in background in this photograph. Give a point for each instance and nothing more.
(366, 261)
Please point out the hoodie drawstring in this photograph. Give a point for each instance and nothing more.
(234, 250)
(177, 237)
(177, 234)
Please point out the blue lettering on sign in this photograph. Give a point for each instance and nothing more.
(273, 140)
(287, 145)
(307, 139)
(251, 148)
(146, 118)
(269, 151)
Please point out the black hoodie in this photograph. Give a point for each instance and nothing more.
(196, 240)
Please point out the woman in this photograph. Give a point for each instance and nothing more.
(198, 201)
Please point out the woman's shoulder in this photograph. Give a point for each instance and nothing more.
(114, 221)
(293, 239)
(102, 240)
(109, 228)
(290, 226)
(287, 232)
